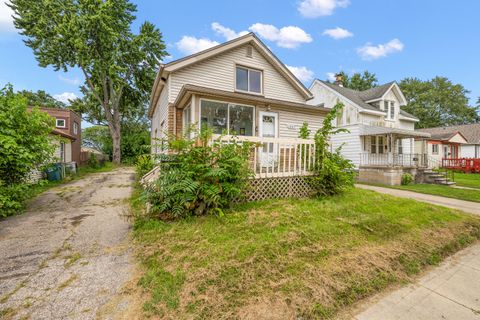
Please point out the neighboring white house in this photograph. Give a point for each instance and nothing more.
(239, 88)
(469, 145)
(380, 132)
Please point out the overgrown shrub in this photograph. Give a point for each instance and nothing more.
(25, 145)
(143, 165)
(201, 176)
(407, 179)
(12, 198)
(25, 141)
(93, 161)
(333, 173)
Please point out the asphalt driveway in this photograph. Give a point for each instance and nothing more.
(68, 255)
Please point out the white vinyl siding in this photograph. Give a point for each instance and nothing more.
(219, 73)
(350, 142)
(160, 115)
(469, 151)
(290, 120)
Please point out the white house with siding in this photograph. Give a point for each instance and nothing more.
(237, 88)
(379, 131)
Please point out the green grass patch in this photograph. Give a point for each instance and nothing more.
(441, 190)
(470, 180)
(293, 258)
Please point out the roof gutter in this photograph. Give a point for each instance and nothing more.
(158, 85)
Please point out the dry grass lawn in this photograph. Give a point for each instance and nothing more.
(293, 259)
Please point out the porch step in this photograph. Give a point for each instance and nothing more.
(438, 178)
(444, 181)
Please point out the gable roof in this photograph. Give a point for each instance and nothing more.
(375, 92)
(471, 132)
(249, 38)
(360, 98)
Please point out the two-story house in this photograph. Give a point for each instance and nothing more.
(237, 88)
(380, 135)
(68, 128)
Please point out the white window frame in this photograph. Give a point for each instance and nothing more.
(75, 128)
(228, 114)
(186, 122)
(390, 106)
(62, 151)
(60, 119)
(248, 79)
(433, 149)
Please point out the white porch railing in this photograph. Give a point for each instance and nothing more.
(278, 157)
(394, 160)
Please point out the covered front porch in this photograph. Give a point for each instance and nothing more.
(391, 147)
(388, 154)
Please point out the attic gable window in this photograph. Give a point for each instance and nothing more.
(248, 80)
(390, 109)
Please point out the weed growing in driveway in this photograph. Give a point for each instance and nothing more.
(67, 282)
(7, 313)
(71, 259)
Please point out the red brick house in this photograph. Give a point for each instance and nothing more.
(68, 126)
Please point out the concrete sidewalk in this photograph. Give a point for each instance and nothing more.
(450, 291)
(467, 206)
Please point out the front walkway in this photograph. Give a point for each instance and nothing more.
(69, 254)
(466, 206)
(450, 291)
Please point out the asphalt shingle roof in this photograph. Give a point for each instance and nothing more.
(359, 97)
(375, 92)
(471, 132)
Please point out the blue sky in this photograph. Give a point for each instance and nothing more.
(316, 38)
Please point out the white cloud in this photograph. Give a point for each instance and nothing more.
(6, 20)
(225, 32)
(75, 81)
(370, 52)
(302, 73)
(338, 33)
(320, 8)
(190, 45)
(167, 58)
(286, 37)
(64, 97)
(331, 76)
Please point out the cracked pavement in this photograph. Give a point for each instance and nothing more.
(68, 255)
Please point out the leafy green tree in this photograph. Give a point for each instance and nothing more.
(438, 102)
(24, 137)
(333, 173)
(41, 99)
(359, 81)
(95, 36)
(135, 140)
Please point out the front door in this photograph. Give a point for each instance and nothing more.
(268, 128)
(445, 152)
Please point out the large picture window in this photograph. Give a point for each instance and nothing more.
(227, 117)
(249, 80)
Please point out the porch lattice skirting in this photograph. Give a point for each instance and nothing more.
(279, 187)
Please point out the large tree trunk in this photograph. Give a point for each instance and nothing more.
(116, 140)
